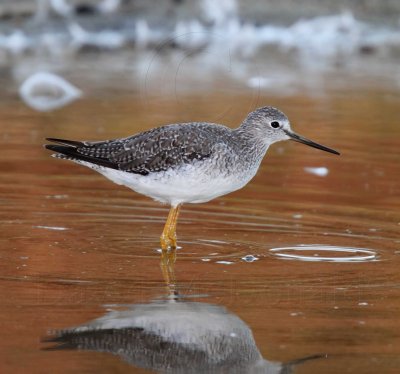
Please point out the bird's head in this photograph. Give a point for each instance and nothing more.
(271, 125)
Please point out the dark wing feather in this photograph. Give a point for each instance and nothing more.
(66, 142)
(73, 154)
(164, 148)
(155, 150)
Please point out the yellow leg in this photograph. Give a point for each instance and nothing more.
(167, 267)
(168, 246)
(168, 236)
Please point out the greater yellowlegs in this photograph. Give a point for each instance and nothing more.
(174, 336)
(186, 162)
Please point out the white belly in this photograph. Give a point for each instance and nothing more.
(184, 185)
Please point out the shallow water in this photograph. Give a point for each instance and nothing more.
(309, 263)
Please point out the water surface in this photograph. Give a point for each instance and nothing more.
(75, 246)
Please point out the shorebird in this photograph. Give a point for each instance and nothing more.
(174, 336)
(187, 162)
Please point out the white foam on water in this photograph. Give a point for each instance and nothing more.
(319, 171)
(56, 228)
(62, 7)
(320, 253)
(106, 39)
(16, 43)
(219, 12)
(46, 91)
(108, 6)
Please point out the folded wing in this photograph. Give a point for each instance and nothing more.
(155, 150)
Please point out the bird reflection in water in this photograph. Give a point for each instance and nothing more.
(173, 335)
(168, 258)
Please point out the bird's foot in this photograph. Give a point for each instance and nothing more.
(168, 242)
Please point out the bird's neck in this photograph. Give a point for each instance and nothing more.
(252, 142)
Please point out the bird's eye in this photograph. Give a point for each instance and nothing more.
(275, 124)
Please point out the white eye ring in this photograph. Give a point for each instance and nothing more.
(275, 124)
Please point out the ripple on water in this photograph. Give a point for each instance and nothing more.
(205, 250)
(226, 246)
(325, 253)
(231, 251)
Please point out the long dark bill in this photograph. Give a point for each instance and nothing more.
(300, 139)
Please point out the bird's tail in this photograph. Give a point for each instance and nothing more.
(70, 150)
